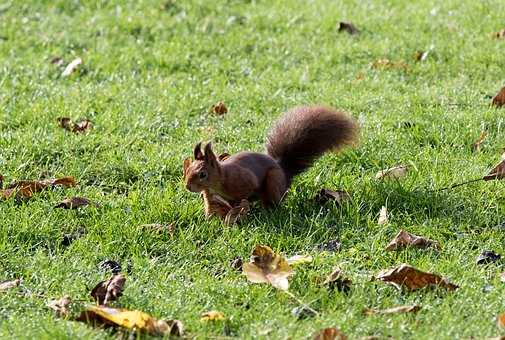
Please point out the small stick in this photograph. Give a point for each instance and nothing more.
(460, 184)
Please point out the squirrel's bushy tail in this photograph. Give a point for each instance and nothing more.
(304, 133)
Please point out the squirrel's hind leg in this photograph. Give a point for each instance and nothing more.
(274, 187)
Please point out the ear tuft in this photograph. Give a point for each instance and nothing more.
(186, 164)
(197, 152)
(210, 158)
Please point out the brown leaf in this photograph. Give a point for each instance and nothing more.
(26, 189)
(74, 203)
(393, 310)
(166, 227)
(268, 267)
(215, 205)
(236, 213)
(498, 172)
(219, 108)
(386, 64)
(330, 333)
(71, 67)
(336, 280)
(76, 127)
(499, 99)
(237, 263)
(347, 27)
(500, 321)
(212, 315)
(133, 320)
(60, 306)
(421, 55)
(56, 61)
(396, 172)
(109, 290)
(476, 145)
(9, 284)
(500, 34)
(339, 196)
(404, 239)
(412, 278)
(383, 216)
(65, 123)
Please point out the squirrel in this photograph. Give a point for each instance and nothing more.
(297, 139)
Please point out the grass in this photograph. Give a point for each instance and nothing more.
(151, 71)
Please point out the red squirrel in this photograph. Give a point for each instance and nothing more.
(298, 138)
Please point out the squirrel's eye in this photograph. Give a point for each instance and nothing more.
(202, 174)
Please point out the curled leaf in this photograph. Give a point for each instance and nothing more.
(219, 108)
(71, 67)
(236, 213)
(404, 239)
(60, 306)
(412, 278)
(268, 267)
(347, 27)
(212, 315)
(488, 256)
(336, 280)
(81, 126)
(73, 203)
(393, 310)
(326, 195)
(330, 333)
(9, 284)
(498, 172)
(26, 189)
(133, 320)
(396, 172)
(109, 290)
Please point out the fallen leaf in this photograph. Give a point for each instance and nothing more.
(404, 239)
(303, 312)
(347, 27)
(159, 227)
(336, 280)
(212, 315)
(383, 216)
(476, 145)
(412, 278)
(76, 127)
(498, 172)
(73, 203)
(26, 189)
(71, 67)
(502, 277)
(500, 34)
(9, 284)
(421, 55)
(215, 205)
(396, 172)
(236, 213)
(339, 197)
(60, 306)
(109, 290)
(219, 108)
(386, 64)
(330, 333)
(499, 99)
(331, 245)
(237, 263)
(113, 266)
(488, 256)
(393, 310)
(299, 259)
(133, 320)
(500, 321)
(268, 267)
(57, 61)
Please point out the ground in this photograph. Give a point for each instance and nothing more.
(151, 70)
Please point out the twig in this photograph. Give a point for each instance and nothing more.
(459, 184)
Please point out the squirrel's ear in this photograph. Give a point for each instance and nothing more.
(187, 163)
(210, 158)
(198, 151)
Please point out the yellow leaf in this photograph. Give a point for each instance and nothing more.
(212, 315)
(299, 259)
(267, 266)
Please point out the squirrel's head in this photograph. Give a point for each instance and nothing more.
(201, 173)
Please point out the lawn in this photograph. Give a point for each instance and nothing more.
(152, 69)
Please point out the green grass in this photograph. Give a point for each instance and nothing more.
(149, 76)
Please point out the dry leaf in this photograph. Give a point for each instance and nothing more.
(303, 312)
(219, 108)
(113, 266)
(215, 205)
(499, 99)
(347, 27)
(331, 245)
(73, 203)
(421, 55)
(212, 315)
(498, 172)
(299, 259)
(386, 64)
(26, 189)
(393, 310)
(133, 320)
(404, 239)
(236, 213)
(56, 61)
(478, 142)
(268, 267)
(336, 280)
(330, 333)
(500, 321)
(60, 306)
(74, 64)
(339, 197)
(500, 34)
(237, 263)
(412, 278)
(166, 227)
(109, 290)
(396, 172)
(9, 284)
(82, 126)
(383, 216)
(488, 256)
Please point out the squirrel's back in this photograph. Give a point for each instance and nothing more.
(304, 133)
